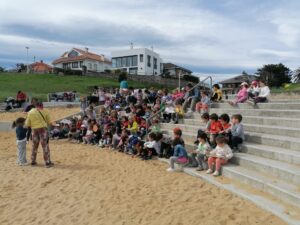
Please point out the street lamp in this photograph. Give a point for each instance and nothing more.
(27, 67)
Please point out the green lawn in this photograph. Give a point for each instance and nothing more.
(39, 85)
(287, 88)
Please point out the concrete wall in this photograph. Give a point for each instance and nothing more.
(148, 79)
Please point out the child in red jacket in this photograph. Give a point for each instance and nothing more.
(215, 128)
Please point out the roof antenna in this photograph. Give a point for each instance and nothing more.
(152, 48)
(131, 45)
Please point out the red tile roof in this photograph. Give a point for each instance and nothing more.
(40, 67)
(84, 55)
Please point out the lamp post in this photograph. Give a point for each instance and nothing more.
(27, 67)
(179, 75)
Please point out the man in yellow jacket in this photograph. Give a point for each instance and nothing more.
(39, 119)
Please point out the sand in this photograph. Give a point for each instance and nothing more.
(55, 113)
(92, 186)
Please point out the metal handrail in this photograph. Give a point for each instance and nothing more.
(200, 82)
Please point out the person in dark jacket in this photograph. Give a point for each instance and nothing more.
(21, 133)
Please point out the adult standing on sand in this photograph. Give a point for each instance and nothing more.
(39, 119)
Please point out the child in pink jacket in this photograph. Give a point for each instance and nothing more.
(242, 95)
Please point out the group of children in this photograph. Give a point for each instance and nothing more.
(207, 158)
(255, 93)
(129, 123)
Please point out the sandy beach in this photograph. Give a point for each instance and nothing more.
(92, 186)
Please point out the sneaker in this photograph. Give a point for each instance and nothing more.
(216, 173)
(170, 170)
(33, 163)
(49, 164)
(23, 164)
(209, 171)
(199, 169)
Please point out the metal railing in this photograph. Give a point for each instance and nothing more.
(202, 81)
(161, 110)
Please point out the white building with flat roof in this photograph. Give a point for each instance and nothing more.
(140, 61)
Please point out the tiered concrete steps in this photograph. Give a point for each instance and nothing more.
(270, 157)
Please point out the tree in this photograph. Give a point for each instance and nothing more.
(2, 69)
(122, 76)
(244, 73)
(21, 67)
(296, 75)
(275, 75)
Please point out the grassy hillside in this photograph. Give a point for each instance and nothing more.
(287, 88)
(40, 84)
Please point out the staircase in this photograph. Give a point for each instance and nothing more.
(267, 171)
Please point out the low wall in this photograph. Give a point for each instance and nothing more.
(149, 79)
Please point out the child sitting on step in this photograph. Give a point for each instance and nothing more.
(202, 106)
(200, 155)
(219, 156)
(237, 131)
(226, 126)
(214, 129)
(180, 155)
(205, 120)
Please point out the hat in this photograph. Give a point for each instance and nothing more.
(244, 83)
(254, 82)
(83, 126)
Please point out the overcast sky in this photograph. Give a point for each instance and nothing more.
(221, 37)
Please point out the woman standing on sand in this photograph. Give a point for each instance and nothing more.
(38, 120)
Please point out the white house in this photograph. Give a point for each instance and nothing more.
(140, 61)
(76, 58)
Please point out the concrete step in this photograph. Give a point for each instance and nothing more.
(262, 199)
(271, 105)
(271, 121)
(284, 142)
(281, 189)
(254, 112)
(276, 130)
(265, 151)
(284, 171)
(271, 152)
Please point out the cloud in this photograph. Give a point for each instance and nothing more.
(220, 37)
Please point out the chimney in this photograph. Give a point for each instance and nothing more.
(42, 61)
(87, 49)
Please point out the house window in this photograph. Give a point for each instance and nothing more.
(80, 64)
(65, 65)
(73, 54)
(130, 61)
(90, 66)
(134, 60)
(95, 67)
(148, 60)
(119, 62)
(141, 58)
(155, 63)
(114, 62)
(123, 62)
(133, 70)
(74, 64)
